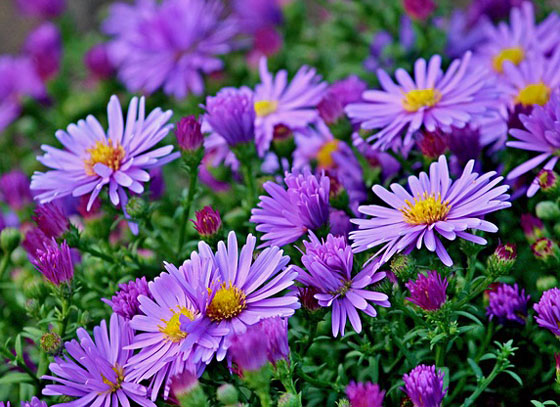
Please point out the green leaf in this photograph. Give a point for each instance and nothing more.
(469, 316)
(515, 376)
(14, 377)
(476, 369)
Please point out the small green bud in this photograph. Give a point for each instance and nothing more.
(227, 394)
(546, 283)
(502, 260)
(136, 207)
(547, 210)
(188, 391)
(51, 343)
(288, 400)
(403, 267)
(343, 403)
(9, 239)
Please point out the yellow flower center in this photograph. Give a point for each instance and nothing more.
(425, 210)
(228, 302)
(534, 94)
(416, 99)
(108, 154)
(324, 156)
(265, 107)
(120, 377)
(172, 327)
(514, 55)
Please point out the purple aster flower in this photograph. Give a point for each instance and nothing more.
(233, 290)
(51, 219)
(377, 52)
(548, 311)
(462, 36)
(287, 214)
(208, 221)
(255, 15)
(98, 63)
(433, 100)
(44, 47)
(35, 240)
(494, 9)
(507, 303)
(364, 394)
(428, 291)
(4, 404)
(94, 158)
(168, 45)
(424, 386)
(419, 9)
(159, 336)
(189, 134)
(339, 95)
(266, 341)
(290, 104)
(434, 204)
(541, 135)
(340, 223)
(329, 266)
(407, 36)
(230, 115)
(14, 187)
(35, 402)
(125, 302)
(95, 371)
(54, 262)
(18, 79)
(520, 40)
(42, 8)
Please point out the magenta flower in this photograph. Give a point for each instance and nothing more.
(98, 63)
(14, 189)
(428, 291)
(42, 8)
(189, 134)
(548, 311)
(507, 303)
(51, 219)
(278, 102)
(95, 369)
(117, 158)
(35, 402)
(125, 302)
(424, 386)
(433, 100)
(54, 262)
(168, 45)
(208, 221)
(44, 47)
(435, 203)
(329, 264)
(287, 214)
(364, 394)
(419, 9)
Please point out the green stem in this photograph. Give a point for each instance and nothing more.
(187, 208)
(4, 265)
(483, 385)
(64, 316)
(440, 355)
(250, 182)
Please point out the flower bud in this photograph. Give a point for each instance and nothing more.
(288, 400)
(343, 403)
(543, 248)
(307, 298)
(548, 181)
(189, 134)
(208, 224)
(503, 259)
(51, 343)
(136, 207)
(187, 390)
(227, 394)
(557, 359)
(403, 267)
(419, 9)
(98, 63)
(433, 144)
(547, 210)
(9, 239)
(51, 219)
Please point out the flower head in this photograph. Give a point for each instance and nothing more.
(95, 370)
(364, 394)
(541, 135)
(548, 311)
(208, 222)
(543, 248)
(328, 270)
(287, 214)
(51, 219)
(14, 187)
(507, 303)
(532, 226)
(234, 291)
(44, 47)
(230, 115)
(256, 15)
(340, 94)
(54, 262)
(419, 9)
(98, 63)
(188, 133)
(293, 105)
(159, 336)
(433, 100)
(428, 291)
(125, 302)
(168, 45)
(35, 402)
(424, 386)
(117, 158)
(434, 204)
(42, 8)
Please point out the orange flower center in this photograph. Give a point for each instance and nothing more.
(228, 302)
(104, 153)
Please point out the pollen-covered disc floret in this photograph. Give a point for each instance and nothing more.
(434, 205)
(227, 302)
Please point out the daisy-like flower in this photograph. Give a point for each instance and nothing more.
(434, 204)
(519, 40)
(293, 105)
(168, 45)
(94, 158)
(531, 83)
(95, 371)
(287, 214)
(328, 271)
(541, 135)
(424, 386)
(548, 311)
(160, 338)
(433, 100)
(234, 290)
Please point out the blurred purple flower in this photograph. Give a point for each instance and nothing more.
(548, 311)
(364, 394)
(14, 187)
(98, 63)
(42, 8)
(51, 219)
(44, 47)
(507, 303)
